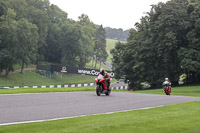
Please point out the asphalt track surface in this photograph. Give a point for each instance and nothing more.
(25, 108)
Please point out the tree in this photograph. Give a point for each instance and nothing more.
(53, 49)
(87, 42)
(37, 13)
(70, 44)
(169, 24)
(56, 15)
(151, 53)
(117, 34)
(19, 6)
(34, 28)
(100, 45)
(26, 42)
(2, 8)
(19, 41)
(54, 37)
(190, 54)
(118, 59)
(7, 43)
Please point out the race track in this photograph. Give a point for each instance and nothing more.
(23, 108)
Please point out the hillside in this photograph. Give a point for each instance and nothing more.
(110, 44)
(30, 78)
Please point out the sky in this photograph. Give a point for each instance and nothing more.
(109, 13)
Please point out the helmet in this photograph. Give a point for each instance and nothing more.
(166, 79)
(102, 71)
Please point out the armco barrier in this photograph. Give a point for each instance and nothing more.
(62, 86)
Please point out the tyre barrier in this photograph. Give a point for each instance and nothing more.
(63, 86)
(120, 88)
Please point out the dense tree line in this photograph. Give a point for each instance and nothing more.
(117, 34)
(35, 30)
(165, 43)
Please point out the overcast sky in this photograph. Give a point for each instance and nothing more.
(110, 13)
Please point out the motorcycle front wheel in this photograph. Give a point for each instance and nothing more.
(98, 90)
(108, 92)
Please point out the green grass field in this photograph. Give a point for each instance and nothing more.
(110, 44)
(42, 90)
(179, 118)
(30, 78)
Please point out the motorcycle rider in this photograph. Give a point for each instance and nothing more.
(166, 83)
(106, 76)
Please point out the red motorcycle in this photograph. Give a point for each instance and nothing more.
(167, 89)
(101, 86)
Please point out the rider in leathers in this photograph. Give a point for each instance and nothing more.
(166, 83)
(106, 76)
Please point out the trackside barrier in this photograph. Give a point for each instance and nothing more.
(64, 86)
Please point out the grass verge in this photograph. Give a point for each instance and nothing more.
(179, 91)
(179, 118)
(47, 90)
(42, 90)
(193, 90)
(30, 78)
